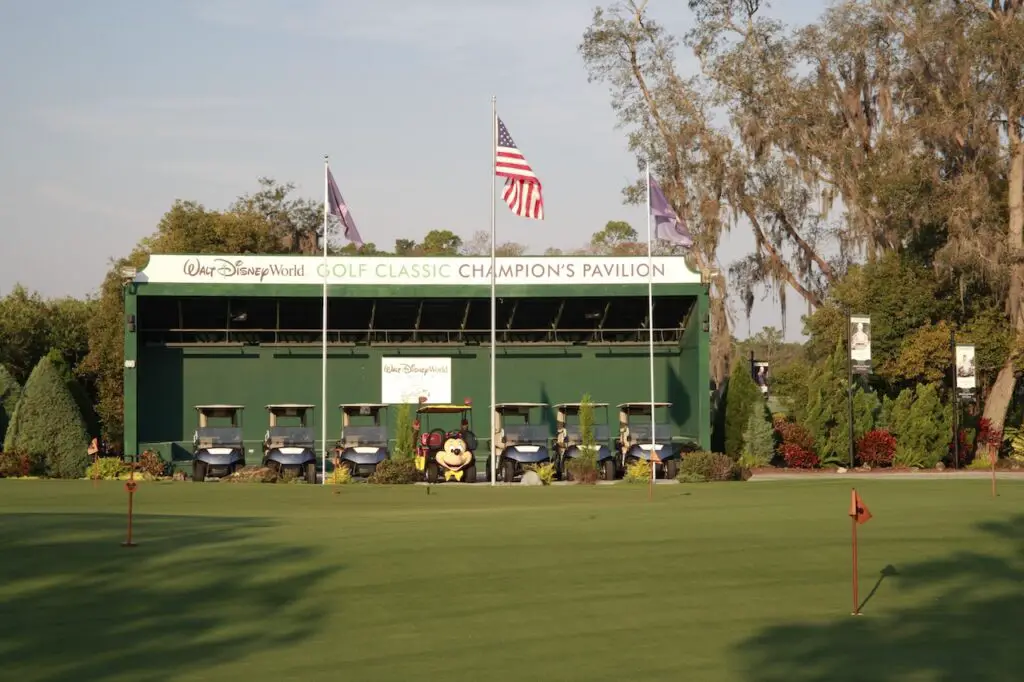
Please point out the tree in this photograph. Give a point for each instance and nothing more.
(47, 424)
(24, 331)
(740, 398)
(10, 393)
(668, 122)
(480, 245)
(964, 75)
(618, 238)
(827, 413)
(440, 243)
(297, 224)
(758, 438)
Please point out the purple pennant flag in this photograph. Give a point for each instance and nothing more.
(667, 225)
(339, 208)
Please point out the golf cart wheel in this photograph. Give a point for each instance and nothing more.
(469, 473)
(311, 472)
(508, 467)
(198, 472)
(608, 469)
(431, 472)
(671, 469)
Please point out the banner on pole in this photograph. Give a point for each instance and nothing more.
(966, 379)
(860, 344)
(759, 370)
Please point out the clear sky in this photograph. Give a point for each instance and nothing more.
(112, 109)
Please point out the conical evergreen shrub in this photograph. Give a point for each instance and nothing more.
(10, 393)
(48, 424)
(740, 398)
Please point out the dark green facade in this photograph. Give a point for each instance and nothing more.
(174, 363)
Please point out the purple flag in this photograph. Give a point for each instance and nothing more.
(338, 207)
(667, 225)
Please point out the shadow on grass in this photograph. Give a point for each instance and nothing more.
(963, 627)
(196, 592)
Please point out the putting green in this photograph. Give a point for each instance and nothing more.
(713, 582)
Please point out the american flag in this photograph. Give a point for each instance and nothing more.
(522, 188)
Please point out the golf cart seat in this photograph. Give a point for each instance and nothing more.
(526, 443)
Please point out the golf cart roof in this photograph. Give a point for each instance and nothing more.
(372, 406)
(290, 406)
(646, 403)
(499, 406)
(220, 407)
(442, 409)
(578, 405)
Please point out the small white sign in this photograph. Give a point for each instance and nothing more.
(860, 343)
(407, 380)
(966, 376)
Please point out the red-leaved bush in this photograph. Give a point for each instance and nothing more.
(791, 433)
(798, 457)
(964, 449)
(987, 435)
(876, 448)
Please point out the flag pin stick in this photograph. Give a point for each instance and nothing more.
(992, 456)
(130, 486)
(858, 514)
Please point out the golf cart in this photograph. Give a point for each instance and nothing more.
(635, 437)
(447, 452)
(291, 446)
(519, 445)
(365, 445)
(569, 440)
(217, 449)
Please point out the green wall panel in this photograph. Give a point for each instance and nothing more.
(172, 380)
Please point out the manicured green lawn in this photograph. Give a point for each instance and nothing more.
(716, 582)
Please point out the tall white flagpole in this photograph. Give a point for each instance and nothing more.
(323, 342)
(650, 315)
(494, 334)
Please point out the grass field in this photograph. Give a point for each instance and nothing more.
(709, 583)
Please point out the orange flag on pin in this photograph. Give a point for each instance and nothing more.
(858, 510)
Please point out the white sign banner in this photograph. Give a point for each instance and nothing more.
(406, 380)
(966, 379)
(860, 343)
(356, 270)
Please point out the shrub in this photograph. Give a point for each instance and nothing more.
(19, 464)
(106, 469)
(987, 435)
(395, 472)
(909, 458)
(921, 423)
(151, 463)
(964, 448)
(584, 465)
(876, 448)
(405, 448)
(341, 475)
(252, 474)
(706, 466)
(47, 423)
(545, 471)
(798, 457)
(637, 471)
(758, 439)
(791, 433)
(10, 392)
(740, 397)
